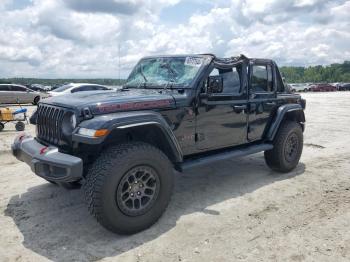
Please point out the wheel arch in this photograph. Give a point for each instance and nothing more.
(150, 132)
(289, 112)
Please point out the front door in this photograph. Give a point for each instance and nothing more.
(262, 99)
(221, 119)
(5, 94)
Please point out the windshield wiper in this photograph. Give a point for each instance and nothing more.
(172, 75)
(144, 77)
(139, 84)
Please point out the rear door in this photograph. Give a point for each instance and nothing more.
(28, 95)
(262, 98)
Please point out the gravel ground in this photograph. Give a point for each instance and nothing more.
(235, 210)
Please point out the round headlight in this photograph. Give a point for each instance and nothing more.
(69, 123)
(73, 121)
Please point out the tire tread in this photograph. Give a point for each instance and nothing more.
(273, 157)
(99, 172)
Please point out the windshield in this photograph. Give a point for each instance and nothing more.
(63, 88)
(165, 71)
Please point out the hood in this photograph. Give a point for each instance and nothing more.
(102, 102)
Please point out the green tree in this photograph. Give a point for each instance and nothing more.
(316, 74)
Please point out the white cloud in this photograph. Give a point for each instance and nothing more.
(65, 38)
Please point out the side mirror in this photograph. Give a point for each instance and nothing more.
(215, 84)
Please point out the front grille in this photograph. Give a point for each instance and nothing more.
(49, 123)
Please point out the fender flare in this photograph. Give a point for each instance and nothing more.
(128, 120)
(283, 111)
(165, 129)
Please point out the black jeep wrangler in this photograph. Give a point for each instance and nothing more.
(173, 113)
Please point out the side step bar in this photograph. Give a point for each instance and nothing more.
(227, 154)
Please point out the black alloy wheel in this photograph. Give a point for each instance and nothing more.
(291, 147)
(138, 190)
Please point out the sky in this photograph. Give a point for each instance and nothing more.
(105, 38)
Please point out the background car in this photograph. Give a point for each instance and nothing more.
(36, 87)
(337, 85)
(323, 88)
(344, 87)
(77, 87)
(299, 88)
(55, 86)
(39, 87)
(12, 93)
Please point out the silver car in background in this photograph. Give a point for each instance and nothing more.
(77, 87)
(12, 94)
(299, 88)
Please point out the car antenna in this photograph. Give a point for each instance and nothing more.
(119, 48)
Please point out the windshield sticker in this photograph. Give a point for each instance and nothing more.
(194, 61)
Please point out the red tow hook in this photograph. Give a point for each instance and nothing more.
(43, 150)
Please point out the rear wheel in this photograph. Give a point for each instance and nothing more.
(288, 146)
(36, 100)
(129, 186)
(20, 126)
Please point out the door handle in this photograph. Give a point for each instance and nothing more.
(271, 103)
(241, 107)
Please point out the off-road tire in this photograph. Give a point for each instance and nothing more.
(20, 126)
(36, 100)
(277, 158)
(107, 172)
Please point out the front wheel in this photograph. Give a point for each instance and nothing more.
(129, 187)
(288, 146)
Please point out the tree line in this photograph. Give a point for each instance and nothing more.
(317, 74)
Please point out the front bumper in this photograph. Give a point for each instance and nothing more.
(47, 162)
